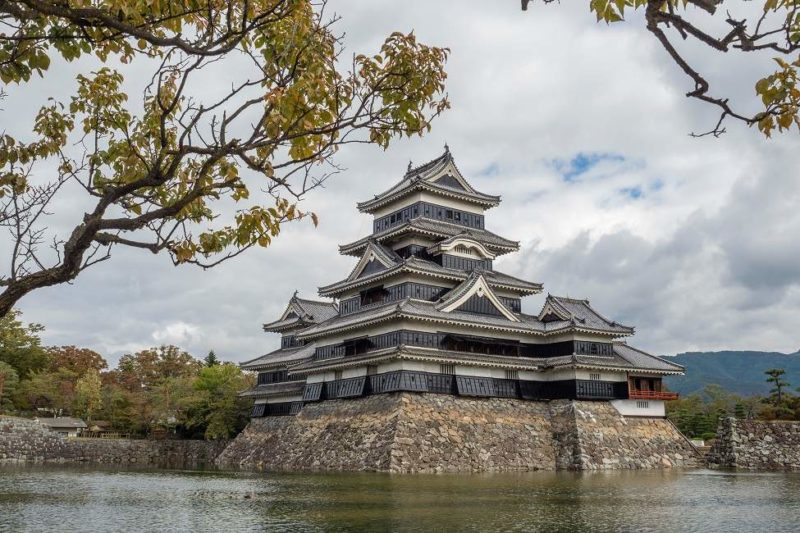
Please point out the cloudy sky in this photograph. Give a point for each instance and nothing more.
(583, 130)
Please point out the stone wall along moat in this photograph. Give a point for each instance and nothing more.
(757, 445)
(407, 432)
(27, 441)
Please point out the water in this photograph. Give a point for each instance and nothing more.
(75, 499)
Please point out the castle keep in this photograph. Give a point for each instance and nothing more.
(424, 311)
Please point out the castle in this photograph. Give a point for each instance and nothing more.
(424, 313)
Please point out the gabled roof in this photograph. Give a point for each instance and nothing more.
(281, 358)
(427, 312)
(474, 285)
(301, 312)
(439, 176)
(415, 265)
(434, 228)
(580, 313)
(375, 252)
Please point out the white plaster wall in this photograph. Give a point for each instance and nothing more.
(529, 375)
(283, 399)
(320, 376)
(655, 408)
(354, 372)
(415, 366)
(462, 370)
(581, 373)
(430, 198)
(559, 374)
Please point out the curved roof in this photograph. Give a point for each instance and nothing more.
(434, 228)
(621, 360)
(580, 313)
(428, 312)
(280, 358)
(416, 265)
(301, 312)
(429, 177)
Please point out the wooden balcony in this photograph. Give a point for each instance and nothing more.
(651, 395)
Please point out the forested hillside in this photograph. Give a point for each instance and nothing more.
(737, 372)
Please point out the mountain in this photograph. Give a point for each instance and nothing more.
(739, 372)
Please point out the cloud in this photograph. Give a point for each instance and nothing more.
(694, 241)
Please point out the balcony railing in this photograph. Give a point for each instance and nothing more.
(651, 395)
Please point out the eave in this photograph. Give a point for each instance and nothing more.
(398, 313)
(483, 200)
(417, 354)
(357, 248)
(336, 289)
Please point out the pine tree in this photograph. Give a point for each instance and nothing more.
(778, 384)
(211, 359)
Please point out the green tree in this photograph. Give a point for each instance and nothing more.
(54, 391)
(772, 32)
(162, 171)
(9, 381)
(20, 345)
(220, 409)
(778, 384)
(88, 393)
(211, 359)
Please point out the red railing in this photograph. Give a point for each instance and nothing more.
(651, 395)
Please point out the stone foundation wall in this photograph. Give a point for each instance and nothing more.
(407, 432)
(607, 440)
(26, 441)
(756, 445)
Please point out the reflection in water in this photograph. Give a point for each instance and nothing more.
(74, 499)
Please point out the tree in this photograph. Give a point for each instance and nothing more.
(88, 391)
(211, 359)
(221, 410)
(778, 384)
(20, 345)
(773, 28)
(9, 380)
(78, 360)
(160, 173)
(54, 391)
(147, 368)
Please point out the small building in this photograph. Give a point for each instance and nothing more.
(424, 310)
(71, 427)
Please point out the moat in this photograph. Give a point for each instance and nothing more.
(91, 499)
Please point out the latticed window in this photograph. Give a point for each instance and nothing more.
(447, 369)
(337, 375)
(595, 377)
(512, 374)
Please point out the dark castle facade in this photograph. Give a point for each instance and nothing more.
(425, 311)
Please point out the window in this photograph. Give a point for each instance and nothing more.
(512, 374)
(595, 377)
(337, 375)
(447, 369)
(372, 370)
(642, 404)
